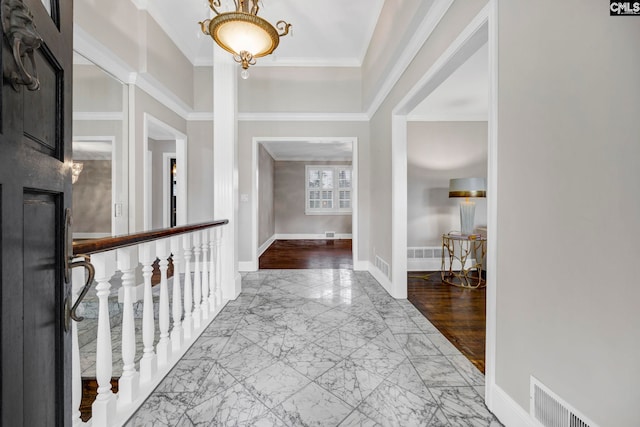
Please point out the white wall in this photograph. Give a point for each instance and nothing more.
(568, 210)
(437, 152)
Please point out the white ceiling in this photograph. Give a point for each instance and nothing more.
(325, 33)
(311, 149)
(463, 96)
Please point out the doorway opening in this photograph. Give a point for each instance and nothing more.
(165, 183)
(305, 200)
(480, 31)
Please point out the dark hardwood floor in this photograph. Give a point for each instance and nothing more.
(459, 314)
(289, 254)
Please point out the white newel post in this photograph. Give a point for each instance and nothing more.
(163, 349)
(187, 325)
(197, 281)
(205, 272)
(77, 282)
(213, 270)
(104, 407)
(148, 364)
(218, 241)
(176, 331)
(129, 381)
(225, 165)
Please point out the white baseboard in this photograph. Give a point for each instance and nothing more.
(360, 265)
(320, 236)
(380, 277)
(434, 264)
(266, 245)
(507, 410)
(247, 266)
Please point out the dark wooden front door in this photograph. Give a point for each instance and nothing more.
(35, 190)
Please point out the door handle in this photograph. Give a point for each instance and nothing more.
(69, 264)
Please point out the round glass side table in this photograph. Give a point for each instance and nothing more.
(465, 253)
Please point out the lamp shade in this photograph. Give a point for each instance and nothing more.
(468, 187)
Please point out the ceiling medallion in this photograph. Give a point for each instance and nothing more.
(242, 32)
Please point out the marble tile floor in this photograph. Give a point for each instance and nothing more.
(318, 348)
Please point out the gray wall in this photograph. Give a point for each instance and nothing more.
(199, 171)
(568, 206)
(301, 89)
(266, 214)
(437, 152)
(247, 130)
(92, 198)
(157, 149)
(290, 203)
(456, 19)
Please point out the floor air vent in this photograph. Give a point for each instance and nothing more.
(549, 410)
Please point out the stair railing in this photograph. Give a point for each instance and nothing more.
(195, 250)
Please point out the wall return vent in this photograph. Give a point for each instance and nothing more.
(549, 410)
(329, 234)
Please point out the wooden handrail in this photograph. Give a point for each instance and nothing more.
(87, 247)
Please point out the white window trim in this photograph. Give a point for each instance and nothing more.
(336, 191)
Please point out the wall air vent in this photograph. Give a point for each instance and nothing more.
(549, 410)
(329, 234)
(383, 266)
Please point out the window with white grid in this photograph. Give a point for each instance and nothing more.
(328, 190)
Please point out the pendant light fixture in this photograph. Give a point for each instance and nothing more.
(242, 32)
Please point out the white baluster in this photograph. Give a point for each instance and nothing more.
(104, 407)
(77, 282)
(205, 273)
(187, 325)
(129, 381)
(163, 349)
(197, 282)
(197, 316)
(177, 331)
(148, 364)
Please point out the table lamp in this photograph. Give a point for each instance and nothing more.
(467, 188)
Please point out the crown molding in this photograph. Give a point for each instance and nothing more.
(424, 30)
(303, 117)
(372, 28)
(202, 61)
(141, 4)
(455, 117)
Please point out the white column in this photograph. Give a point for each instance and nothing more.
(187, 325)
(218, 288)
(104, 407)
(225, 164)
(163, 349)
(128, 382)
(197, 281)
(177, 332)
(148, 364)
(205, 272)
(77, 282)
(213, 270)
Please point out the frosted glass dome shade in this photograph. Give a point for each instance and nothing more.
(238, 32)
